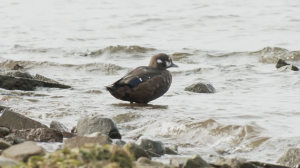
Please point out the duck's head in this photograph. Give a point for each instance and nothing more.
(161, 61)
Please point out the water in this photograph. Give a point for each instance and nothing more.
(231, 44)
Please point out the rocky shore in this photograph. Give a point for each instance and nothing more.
(96, 141)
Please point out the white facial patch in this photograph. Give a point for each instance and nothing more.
(168, 63)
(141, 79)
(159, 61)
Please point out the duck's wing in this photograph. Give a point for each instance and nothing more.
(137, 76)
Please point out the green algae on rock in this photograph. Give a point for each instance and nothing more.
(111, 156)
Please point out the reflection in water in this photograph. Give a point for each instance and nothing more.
(138, 106)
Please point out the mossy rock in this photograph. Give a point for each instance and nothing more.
(90, 155)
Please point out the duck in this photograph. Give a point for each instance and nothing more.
(144, 83)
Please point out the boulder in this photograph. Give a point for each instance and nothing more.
(290, 158)
(90, 125)
(136, 150)
(13, 139)
(144, 162)
(23, 151)
(79, 141)
(13, 120)
(58, 126)
(201, 88)
(40, 135)
(3, 132)
(4, 144)
(156, 147)
(195, 161)
(21, 83)
(7, 162)
(282, 63)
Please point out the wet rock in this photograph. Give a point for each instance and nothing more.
(234, 163)
(13, 139)
(40, 135)
(195, 161)
(156, 147)
(118, 142)
(144, 162)
(21, 83)
(282, 63)
(290, 158)
(7, 162)
(170, 151)
(90, 125)
(201, 88)
(136, 150)
(58, 126)
(79, 141)
(13, 120)
(23, 151)
(19, 74)
(4, 144)
(3, 132)
(68, 135)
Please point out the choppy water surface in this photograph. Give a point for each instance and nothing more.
(232, 44)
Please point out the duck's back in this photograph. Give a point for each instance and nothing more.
(141, 85)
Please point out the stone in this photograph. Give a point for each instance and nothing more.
(152, 146)
(19, 74)
(7, 162)
(281, 63)
(40, 135)
(136, 150)
(23, 151)
(3, 132)
(170, 151)
(26, 84)
(290, 158)
(13, 139)
(79, 141)
(201, 88)
(4, 144)
(195, 161)
(178, 161)
(14, 120)
(58, 126)
(144, 162)
(90, 125)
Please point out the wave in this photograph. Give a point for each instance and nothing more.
(272, 54)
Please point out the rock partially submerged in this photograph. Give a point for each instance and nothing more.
(14, 120)
(40, 135)
(23, 151)
(281, 63)
(89, 125)
(136, 150)
(290, 158)
(201, 88)
(156, 147)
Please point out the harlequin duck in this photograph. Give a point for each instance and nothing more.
(145, 83)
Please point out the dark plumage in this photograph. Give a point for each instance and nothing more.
(145, 83)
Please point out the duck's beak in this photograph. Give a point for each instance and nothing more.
(173, 65)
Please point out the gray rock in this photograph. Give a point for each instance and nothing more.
(144, 162)
(282, 63)
(13, 139)
(4, 144)
(13, 120)
(21, 83)
(290, 158)
(201, 88)
(3, 132)
(152, 146)
(58, 126)
(7, 162)
(136, 150)
(79, 141)
(23, 151)
(90, 125)
(195, 161)
(40, 135)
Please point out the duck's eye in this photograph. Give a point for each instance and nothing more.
(159, 61)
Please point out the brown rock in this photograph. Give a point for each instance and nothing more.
(58, 126)
(4, 144)
(23, 151)
(290, 158)
(40, 135)
(3, 132)
(136, 150)
(13, 120)
(79, 141)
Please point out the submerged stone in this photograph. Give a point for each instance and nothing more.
(282, 63)
(201, 88)
(156, 147)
